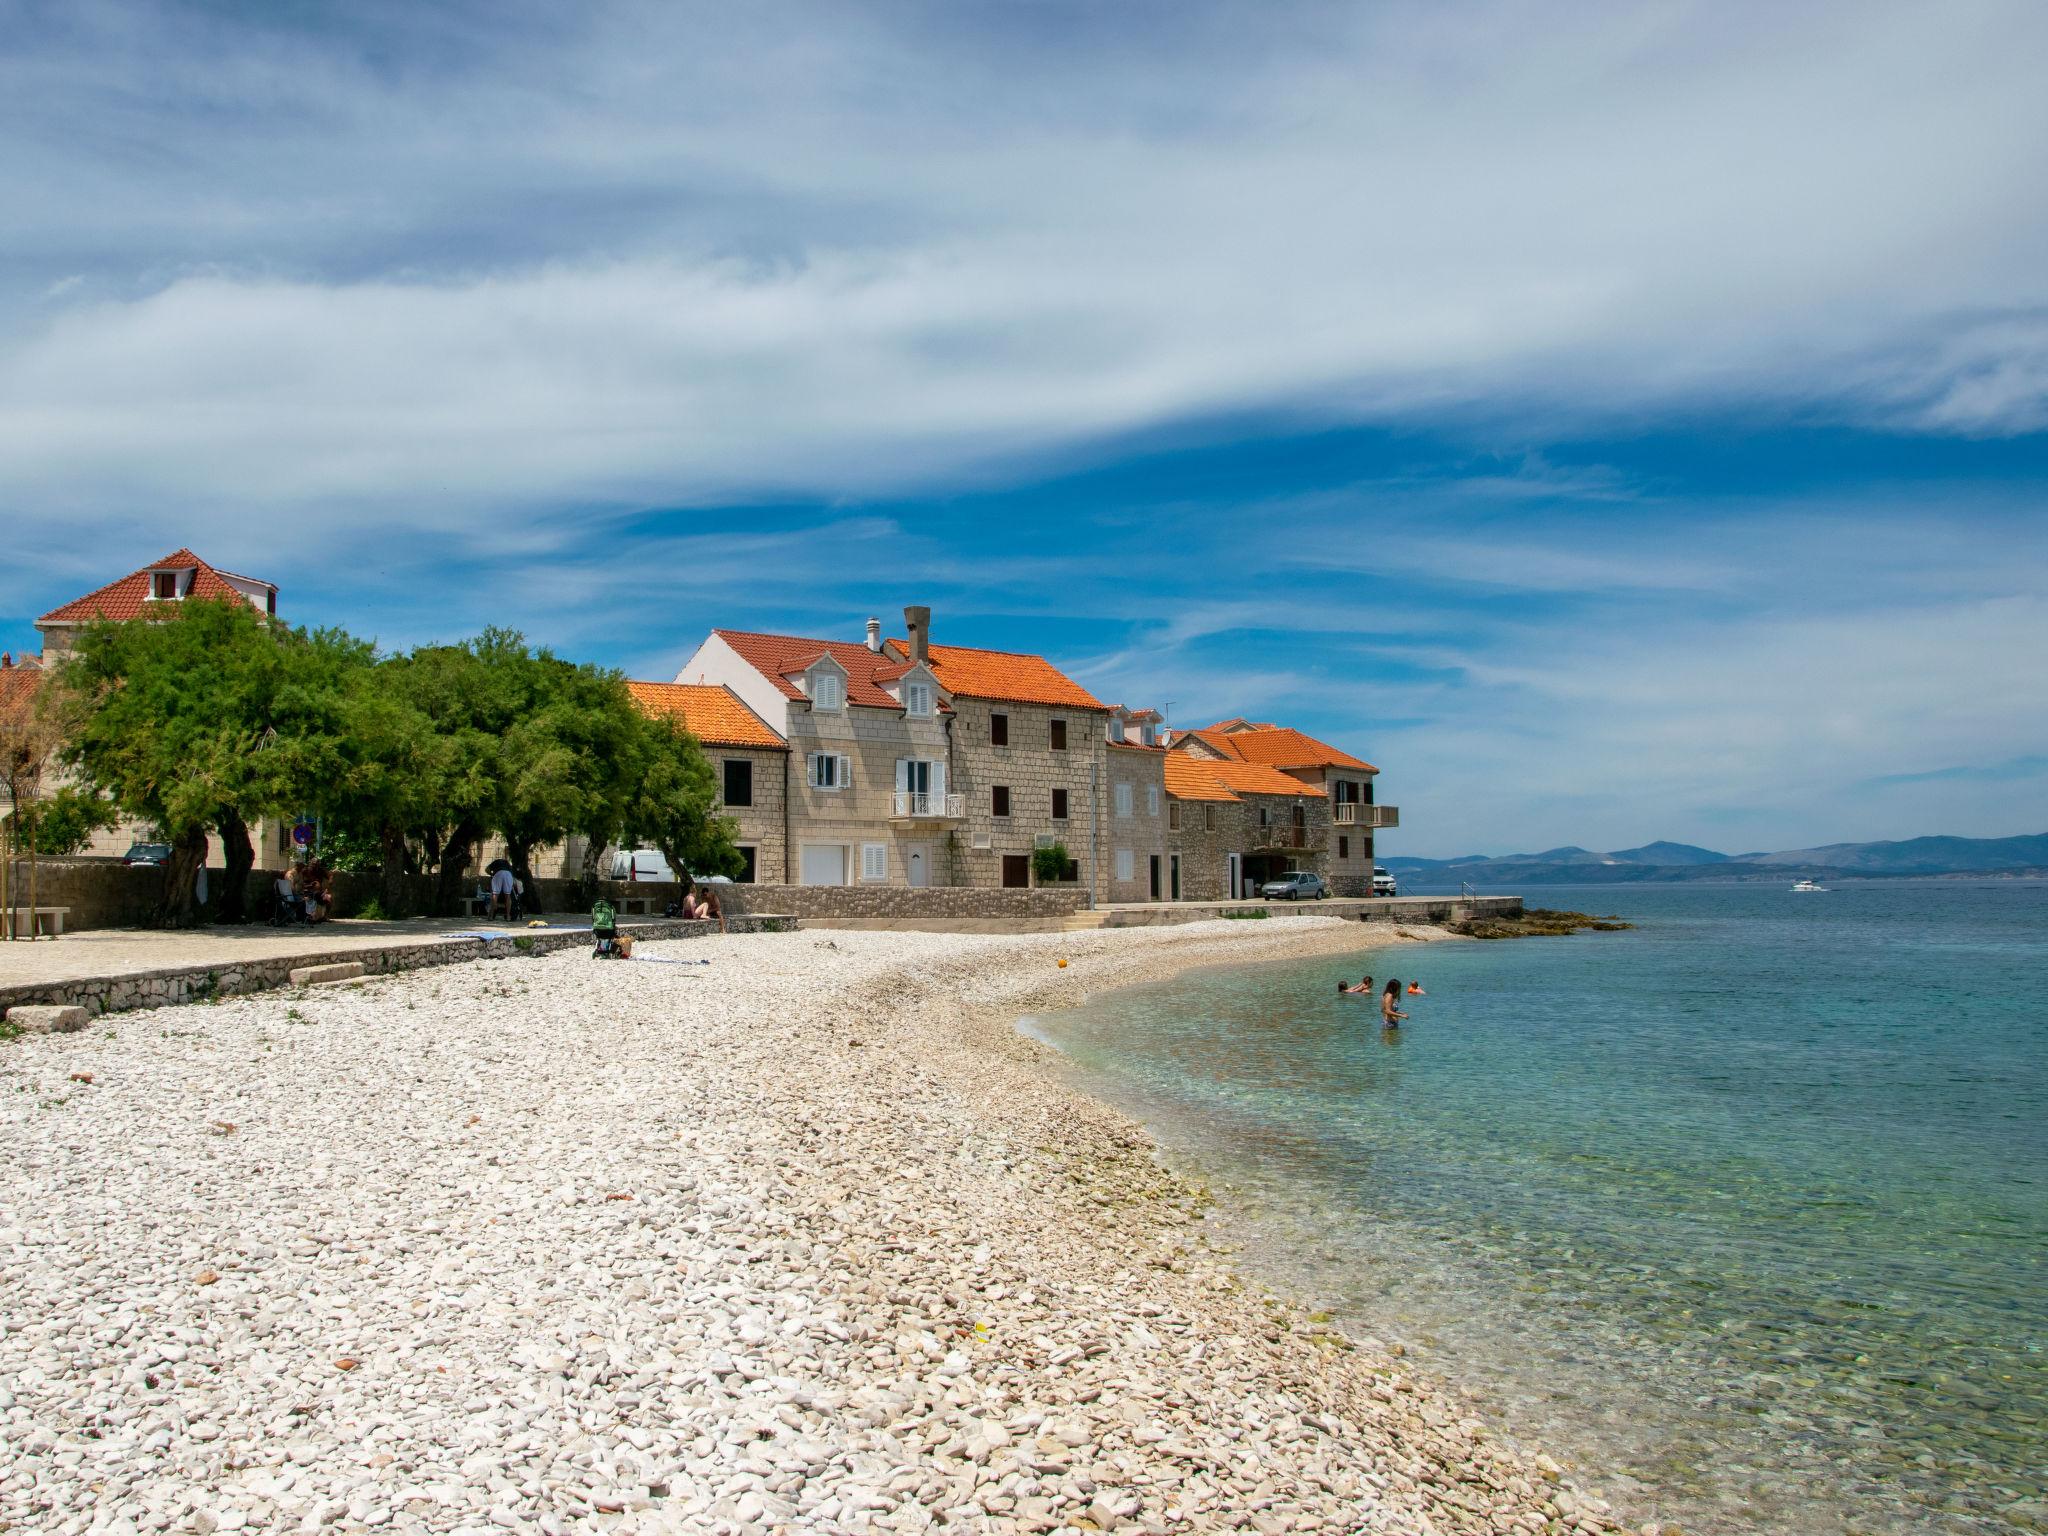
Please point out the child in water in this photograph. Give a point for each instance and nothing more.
(1415, 989)
(1390, 1012)
(1363, 986)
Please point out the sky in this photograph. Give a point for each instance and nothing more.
(1615, 422)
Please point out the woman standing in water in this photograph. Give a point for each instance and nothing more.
(1390, 1011)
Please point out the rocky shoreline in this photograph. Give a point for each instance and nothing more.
(807, 1238)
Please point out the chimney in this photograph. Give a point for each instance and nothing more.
(874, 634)
(918, 622)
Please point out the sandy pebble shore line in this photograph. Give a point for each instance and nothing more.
(805, 1239)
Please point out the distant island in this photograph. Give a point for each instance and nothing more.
(1922, 857)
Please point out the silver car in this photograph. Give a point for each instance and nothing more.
(1295, 885)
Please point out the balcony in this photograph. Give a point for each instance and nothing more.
(1279, 835)
(922, 805)
(1353, 815)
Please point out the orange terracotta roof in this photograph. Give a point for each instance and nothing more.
(1008, 676)
(129, 597)
(712, 712)
(1259, 779)
(1278, 745)
(776, 656)
(1190, 778)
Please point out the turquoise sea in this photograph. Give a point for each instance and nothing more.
(1745, 1211)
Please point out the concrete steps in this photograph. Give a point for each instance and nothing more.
(1082, 922)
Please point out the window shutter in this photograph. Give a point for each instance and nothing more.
(902, 775)
(845, 770)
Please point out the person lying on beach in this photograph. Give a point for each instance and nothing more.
(1388, 1000)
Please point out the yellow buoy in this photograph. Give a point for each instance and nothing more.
(1063, 962)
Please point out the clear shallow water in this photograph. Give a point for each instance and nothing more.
(1746, 1209)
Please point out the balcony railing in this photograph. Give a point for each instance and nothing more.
(1280, 835)
(921, 804)
(1354, 815)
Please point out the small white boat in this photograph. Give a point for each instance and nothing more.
(1808, 885)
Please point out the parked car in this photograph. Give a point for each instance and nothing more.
(144, 854)
(1383, 883)
(641, 864)
(1295, 885)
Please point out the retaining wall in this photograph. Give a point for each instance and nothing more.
(197, 983)
(824, 902)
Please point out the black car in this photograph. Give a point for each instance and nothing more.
(1295, 885)
(147, 853)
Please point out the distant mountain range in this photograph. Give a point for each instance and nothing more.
(1684, 861)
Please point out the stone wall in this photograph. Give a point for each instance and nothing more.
(896, 901)
(1143, 832)
(1031, 770)
(1209, 832)
(101, 893)
(201, 983)
(760, 826)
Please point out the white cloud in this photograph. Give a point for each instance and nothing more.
(671, 255)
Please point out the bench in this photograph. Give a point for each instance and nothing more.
(34, 918)
(634, 906)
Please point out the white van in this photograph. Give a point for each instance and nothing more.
(1383, 883)
(641, 864)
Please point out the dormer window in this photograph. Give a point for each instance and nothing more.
(828, 691)
(163, 586)
(917, 698)
(1115, 730)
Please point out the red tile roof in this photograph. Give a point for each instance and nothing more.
(129, 597)
(713, 713)
(1260, 779)
(1007, 676)
(1279, 746)
(776, 656)
(1192, 778)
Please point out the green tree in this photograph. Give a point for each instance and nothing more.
(673, 800)
(209, 718)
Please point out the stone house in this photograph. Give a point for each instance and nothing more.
(154, 591)
(1344, 782)
(868, 736)
(912, 763)
(752, 764)
(1235, 825)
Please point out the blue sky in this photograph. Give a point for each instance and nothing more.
(1616, 422)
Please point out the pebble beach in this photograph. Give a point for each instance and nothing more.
(778, 1232)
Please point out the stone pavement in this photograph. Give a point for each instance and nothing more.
(137, 951)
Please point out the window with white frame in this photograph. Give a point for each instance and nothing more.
(1123, 799)
(1151, 799)
(874, 861)
(830, 770)
(917, 698)
(828, 690)
(1124, 865)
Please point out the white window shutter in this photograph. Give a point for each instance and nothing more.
(939, 780)
(845, 770)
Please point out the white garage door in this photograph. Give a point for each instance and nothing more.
(824, 864)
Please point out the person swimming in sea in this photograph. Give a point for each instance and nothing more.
(1363, 986)
(1390, 1012)
(1415, 989)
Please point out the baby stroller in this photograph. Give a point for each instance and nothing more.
(604, 928)
(286, 908)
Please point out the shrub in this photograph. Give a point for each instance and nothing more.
(1049, 864)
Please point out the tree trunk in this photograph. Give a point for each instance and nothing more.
(240, 857)
(180, 910)
(455, 856)
(594, 852)
(391, 873)
(519, 854)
